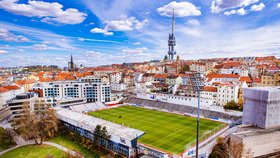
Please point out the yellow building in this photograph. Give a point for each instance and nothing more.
(270, 80)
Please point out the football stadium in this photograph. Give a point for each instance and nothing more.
(167, 132)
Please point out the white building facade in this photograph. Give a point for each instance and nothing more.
(93, 92)
(227, 93)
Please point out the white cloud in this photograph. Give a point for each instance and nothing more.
(181, 9)
(96, 40)
(128, 24)
(94, 54)
(6, 35)
(136, 50)
(136, 43)
(257, 8)
(99, 30)
(240, 11)
(49, 12)
(140, 24)
(81, 39)
(40, 47)
(3, 52)
(246, 3)
(222, 5)
(278, 5)
(194, 22)
(230, 12)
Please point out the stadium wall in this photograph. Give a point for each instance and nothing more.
(174, 99)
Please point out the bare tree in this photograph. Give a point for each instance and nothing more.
(37, 125)
(220, 150)
(226, 148)
(10, 134)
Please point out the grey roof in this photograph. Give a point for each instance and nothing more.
(89, 123)
(252, 131)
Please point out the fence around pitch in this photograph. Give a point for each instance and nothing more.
(204, 136)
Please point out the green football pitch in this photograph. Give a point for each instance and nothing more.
(165, 131)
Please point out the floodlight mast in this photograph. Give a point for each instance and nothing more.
(197, 88)
(198, 123)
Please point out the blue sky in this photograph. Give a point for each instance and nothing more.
(98, 32)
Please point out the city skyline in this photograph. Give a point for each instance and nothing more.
(99, 33)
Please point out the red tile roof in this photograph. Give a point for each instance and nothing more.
(245, 79)
(265, 58)
(231, 64)
(12, 87)
(22, 82)
(210, 89)
(161, 76)
(256, 80)
(3, 90)
(274, 68)
(222, 76)
(103, 69)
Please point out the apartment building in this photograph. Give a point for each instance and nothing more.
(116, 77)
(173, 80)
(90, 79)
(76, 89)
(270, 80)
(103, 71)
(22, 102)
(199, 67)
(118, 86)
(30, 101)
(7, 93)
(209, 93)
(227, 93)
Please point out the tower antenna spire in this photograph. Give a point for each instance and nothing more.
(173, 22)
(171, 41)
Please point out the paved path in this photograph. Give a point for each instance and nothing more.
(71, 152)
(22, 142)
(17, 146)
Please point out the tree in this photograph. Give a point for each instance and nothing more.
(2, 134)
(240, 103)
(232, 105)
(101, 133)
(185, 68)
(105, 136)
(86, 143)
(178, 58)
(165, 58)
(97, 135)
(37, 126)
(10, 134)
(220, 150)
(226, 148)
(165, 69)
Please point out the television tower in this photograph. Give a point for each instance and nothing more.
(171, 42)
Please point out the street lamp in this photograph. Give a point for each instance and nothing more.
(196, 86)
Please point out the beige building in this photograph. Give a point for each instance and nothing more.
(270, 80)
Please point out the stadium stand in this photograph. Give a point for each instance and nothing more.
(183, 109)
(88, 107)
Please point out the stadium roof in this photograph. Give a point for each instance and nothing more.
(89, 123)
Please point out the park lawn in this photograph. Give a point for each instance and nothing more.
(64, 141)
(5, 142)
(34, 151)
(165, 131)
